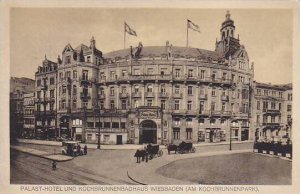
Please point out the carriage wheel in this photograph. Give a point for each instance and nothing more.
(193, 150)
(160, 153)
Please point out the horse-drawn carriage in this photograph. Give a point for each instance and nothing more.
(182, 148)
(153, 150)
(150, 151)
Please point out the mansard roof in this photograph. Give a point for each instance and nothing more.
(177, 52)
(274, 86)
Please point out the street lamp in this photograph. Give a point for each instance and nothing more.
(230, 140)
(98, 146)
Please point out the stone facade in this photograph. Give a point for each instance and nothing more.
(29, 116)
(153, 94)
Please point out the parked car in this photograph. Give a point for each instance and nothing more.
(72, 148)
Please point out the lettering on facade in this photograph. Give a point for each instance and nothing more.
(148, 114)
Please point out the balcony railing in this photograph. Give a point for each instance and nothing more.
(136, 95)
(101, 96)
(149, 95)
(271, 124)
(163, 95)
(221, 113)
(177, 95)
(271, 111)
(85, 95)
(202, 96)
(225, 98)
(123, 95)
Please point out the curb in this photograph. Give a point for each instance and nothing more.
(134, 180)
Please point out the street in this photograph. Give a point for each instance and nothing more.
(104, 167)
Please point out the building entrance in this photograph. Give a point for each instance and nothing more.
(148, 132)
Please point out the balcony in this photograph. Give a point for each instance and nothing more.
(221, 113)
(271, 111)
(163, 95)
(203, 96)
(85, 81)
(177, 95)
(85, 96)
(149, 95)
(225, 98)
(123, 95)
(204, 112)
(101, 96)
(65, 80)
(271, 124)
(136, 95)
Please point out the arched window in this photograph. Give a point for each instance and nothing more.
(163, 88)
(149, 88)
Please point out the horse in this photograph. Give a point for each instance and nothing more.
(172, 147)
(140, 153)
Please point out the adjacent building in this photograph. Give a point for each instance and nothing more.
(29, 116)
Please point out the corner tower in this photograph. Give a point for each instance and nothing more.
(228, 44)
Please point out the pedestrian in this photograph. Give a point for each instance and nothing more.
(53, 165)
(85, 149)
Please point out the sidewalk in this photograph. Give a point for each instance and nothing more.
(42, 154)
(145, 173)
(119, 147)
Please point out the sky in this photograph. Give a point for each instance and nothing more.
(266, 34)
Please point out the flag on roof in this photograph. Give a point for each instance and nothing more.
(129, 30)
(193, 26)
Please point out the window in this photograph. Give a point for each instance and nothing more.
(177, 122)
(51, 93)
(258, 91)
(106, 124)
(68, 74)
(123, 104)
(223, 122)
(63, 104)
(136, 72)
(273, 93)
(51, 106)
(38, 83)
(102, 76)
(224, 76)
(213, 92)
(74, 74)
(213, 77)
(38, 94)
(279, 106)
(289, 107)
(176, 133)
(223, 106)
(38, 107)
(232, 77)
(85, 74)
(68, 59)
(112, 104)
(163, 71)
(149, 88)
(102, 105)
(265, 92)
(212, 121)
(74, 104)
(112, 91)
(163, 104)
(89, 137)
(280, 94)
(258, 105)
(189, 105)
(177, 73)
(136, 103)
(190, 73)
(149, 102)
(202, 74)
(150, 71)
(236, 132)
(213, 106)
(88, 59)
(101, 92)
(201, 121)
(74, 90)
(123, 125)
(123, 89)
(188, 133)
(189, 122)
(265, 119)
(52, 81)
(273, 105)
(177, 89)
(90, 124)
(124, 73)
(272, 119)
(163, 89)
(245, 94)
(115, 125)
(201, 108)
(190, 90)
(112, 75)
(136, 89)
(176, 107)
(290, 97)
(64, 90)
(165, 134)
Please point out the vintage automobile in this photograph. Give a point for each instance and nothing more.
(72, 148)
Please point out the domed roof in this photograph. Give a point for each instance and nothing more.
(82, 47)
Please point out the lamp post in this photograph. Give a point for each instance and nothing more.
(98, 146)
(230, 140)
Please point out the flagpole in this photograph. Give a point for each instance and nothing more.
(187, 33)
(124, 34)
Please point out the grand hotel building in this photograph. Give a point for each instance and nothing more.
(151, 94)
